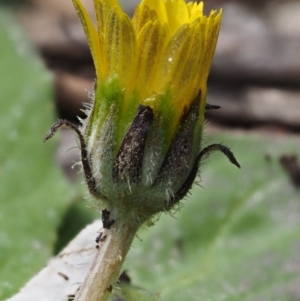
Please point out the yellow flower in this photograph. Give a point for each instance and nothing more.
(141, 141)
(166, 49)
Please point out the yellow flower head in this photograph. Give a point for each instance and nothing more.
(141, 141)
(166, 49)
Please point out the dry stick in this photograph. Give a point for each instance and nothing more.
(106, 267)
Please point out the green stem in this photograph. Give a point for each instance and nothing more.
(107, 264)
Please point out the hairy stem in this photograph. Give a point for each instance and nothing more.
(106, 267)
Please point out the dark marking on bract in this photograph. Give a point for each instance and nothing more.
(106, 220)
(177, 162)
(128, 163)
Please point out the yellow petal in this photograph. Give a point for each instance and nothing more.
(187, 89)
(142, 16)
(178, 13)
(212, 25)
(190, 6)
(196, 11)
(173, 57)
(120, 47)
(151, 42)
(92, 36)
(102, 9)
(112, 3)
(136, 19)
(159, 7)
(170, 73)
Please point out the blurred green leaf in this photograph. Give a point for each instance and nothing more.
(133, 293)
(128, 292)
(34, 193)
(237, 238)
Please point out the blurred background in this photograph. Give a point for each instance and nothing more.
(255, 76)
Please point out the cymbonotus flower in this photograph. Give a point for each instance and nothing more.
(141, 141)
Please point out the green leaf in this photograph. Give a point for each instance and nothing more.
(34, 193)
(236, 238)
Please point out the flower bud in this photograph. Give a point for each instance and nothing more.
(141, 141)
